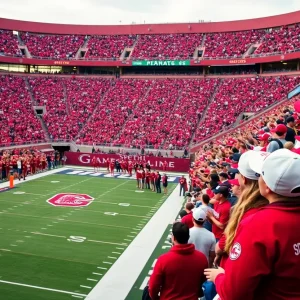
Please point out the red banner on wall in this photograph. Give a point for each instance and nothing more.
(85, 159)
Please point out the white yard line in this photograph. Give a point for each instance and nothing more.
(114, 285)
(40, 288)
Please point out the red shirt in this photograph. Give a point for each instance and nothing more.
(178, 274)
(188, 220)
(222, 215)
(265, 260)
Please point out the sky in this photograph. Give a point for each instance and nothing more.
(108, 12)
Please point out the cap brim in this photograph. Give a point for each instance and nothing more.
(257, 159)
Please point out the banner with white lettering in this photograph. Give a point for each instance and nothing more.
(156, 163)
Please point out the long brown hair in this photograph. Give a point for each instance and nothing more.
(250, 198)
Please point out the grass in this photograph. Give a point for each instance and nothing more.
(66, 248)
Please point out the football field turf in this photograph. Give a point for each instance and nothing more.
(60, 252)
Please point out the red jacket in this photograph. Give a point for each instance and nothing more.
(264, 262)
(178, 274)
(222, 241)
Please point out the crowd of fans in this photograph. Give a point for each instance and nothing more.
(238, 95)
(109, 46)
(49, 92)
(137, 113)
(167, 46)
(19, 124)
(82, 96)
(282, 40)
(52, 46)
(155, 46)
(247, 178)
(114, 109)
(9, 43)
(230, 44)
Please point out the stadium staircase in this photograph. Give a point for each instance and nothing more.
(83, 48)
(23, 47)
(66, 98)
(206, 108)
(34, 103)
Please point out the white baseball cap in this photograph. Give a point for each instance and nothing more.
(199, 214)
(244, 167)
(280, 170)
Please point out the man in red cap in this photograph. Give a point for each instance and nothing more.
(278, 138)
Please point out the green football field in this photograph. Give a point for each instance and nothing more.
(57, 252)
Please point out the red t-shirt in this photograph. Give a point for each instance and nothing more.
(222, 215)
(188, 220)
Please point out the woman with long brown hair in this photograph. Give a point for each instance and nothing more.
(249, 202)
(264, 258)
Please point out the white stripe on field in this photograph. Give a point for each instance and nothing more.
(41, 288)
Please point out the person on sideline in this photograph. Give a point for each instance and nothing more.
(264, 258)
(178, 274)
(165, 183)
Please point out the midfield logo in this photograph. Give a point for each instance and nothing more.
(70, 200)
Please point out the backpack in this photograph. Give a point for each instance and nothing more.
(278, 142)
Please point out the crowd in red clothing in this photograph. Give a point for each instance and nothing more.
(109, 46)
(49, 92)
(230, 44)
(155, 46)
(167, 46)
(9, 43)
(32, 162)
(52, 46)
(280, 40)
(19, 124)
(236, 184)
(238, 95)
(114, 109)
(83, 95)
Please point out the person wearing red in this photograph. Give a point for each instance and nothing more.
(165, 165)
(183, 185)
(264, 259)
(188, 218)
(178, 274)
(220, 216)
(112, 167)
(130, 167)
(94, 163)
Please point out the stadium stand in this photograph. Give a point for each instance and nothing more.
(19, 124)
(280, 40)
(239, 95)
(231, 44)
(108, 46)
(9, 43)
(170, 46)
(52, 46)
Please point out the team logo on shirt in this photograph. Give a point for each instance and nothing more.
(236, 251)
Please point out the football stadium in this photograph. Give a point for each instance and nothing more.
(150, 161)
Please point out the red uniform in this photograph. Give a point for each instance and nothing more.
(178, 274)
(264, 262)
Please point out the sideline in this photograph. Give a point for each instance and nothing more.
(33, 177)
(120, 278)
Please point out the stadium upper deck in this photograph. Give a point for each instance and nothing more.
(260, 40)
